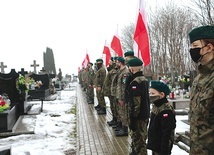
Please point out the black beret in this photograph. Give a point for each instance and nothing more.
(160, 86)
(203, 32)
(135, 62)
(129, 53)
(121, 59)
(99, 61)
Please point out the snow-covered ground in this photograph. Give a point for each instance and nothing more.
(55, 129)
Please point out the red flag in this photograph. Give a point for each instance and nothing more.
(107, 54)
(141, 35)
(116, 45)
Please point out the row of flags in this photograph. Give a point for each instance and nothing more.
(141, 41)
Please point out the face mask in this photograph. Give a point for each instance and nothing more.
(154, 98)
(195, 54)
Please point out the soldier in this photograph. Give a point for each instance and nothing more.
(162, 122)
(202, 92)
(120, 95)
(107, 89)
(90, 90)
(99, 80)
(139, 107)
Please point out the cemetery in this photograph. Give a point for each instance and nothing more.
(17, 90)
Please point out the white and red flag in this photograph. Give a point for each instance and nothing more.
(86, 61)
(141, 36)
(116, 44)
(106, 54)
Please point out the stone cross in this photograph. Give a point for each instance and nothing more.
(34, 65)
(2, 67)
(23, 72)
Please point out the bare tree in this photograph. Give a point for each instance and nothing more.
(204, 10)
(127, 37)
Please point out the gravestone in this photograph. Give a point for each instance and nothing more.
(43, 91)
(34, 65)
(3, 67)
(8, 86)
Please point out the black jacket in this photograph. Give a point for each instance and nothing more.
(161, 128)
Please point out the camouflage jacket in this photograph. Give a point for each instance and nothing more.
(121, 84)
(202, 107)
(90, 77)
(139, 103)
(114, 82)
(100, 77)
(107, 82)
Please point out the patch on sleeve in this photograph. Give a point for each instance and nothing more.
(134, 87)
(165, 115)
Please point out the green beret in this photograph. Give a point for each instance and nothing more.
(99, 61)
(115, 58)
(121, 59)
(135, 62)
(129, 53)
(160, 86)
(203, 32)
(90, 63)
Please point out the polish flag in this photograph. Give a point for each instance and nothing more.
(106, 54)
(116, 44)
(141, 36)
(86, 61)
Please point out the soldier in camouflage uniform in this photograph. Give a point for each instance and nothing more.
(116, 72)
(139, 108)
(98, 82)
(162, 122)
(120, 95)
(202, 92)
(90, 90)
(107, 89)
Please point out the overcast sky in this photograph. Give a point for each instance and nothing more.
(68, 27)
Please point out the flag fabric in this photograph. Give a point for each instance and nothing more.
(116, 44)
(141, 36)
(86, 61)
(106, 54)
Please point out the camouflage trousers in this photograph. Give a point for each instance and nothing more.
(123, 113)
(90, 91)
(197, 149)
(139, 137)
(111, 100)
(100, 98)
(114, 107)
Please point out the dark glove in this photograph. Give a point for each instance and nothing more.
(133, 125)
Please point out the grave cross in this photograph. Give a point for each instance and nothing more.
(34, 65)
(23, 72)
(2, 67)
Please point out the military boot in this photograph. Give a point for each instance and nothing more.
(102, 111)
(112, 122)
(119, 126)
(91, 100)
(122, 132)
(97, 107)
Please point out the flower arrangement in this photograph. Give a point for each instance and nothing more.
(38, 84)
(22, 84)
(3, 104)
(165, 80)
